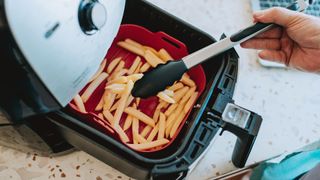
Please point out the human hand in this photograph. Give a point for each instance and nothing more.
(296, 43)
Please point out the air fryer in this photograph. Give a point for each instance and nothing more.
(59, 130)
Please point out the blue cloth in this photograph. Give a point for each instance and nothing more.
(291, 167)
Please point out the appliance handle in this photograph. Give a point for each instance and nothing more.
(242, 123)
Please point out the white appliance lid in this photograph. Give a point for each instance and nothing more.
(63, 49)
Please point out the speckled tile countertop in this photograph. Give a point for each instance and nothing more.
(288, 100)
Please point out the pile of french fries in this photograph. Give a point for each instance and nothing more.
(117, 102)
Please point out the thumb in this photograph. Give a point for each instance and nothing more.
(280, 16)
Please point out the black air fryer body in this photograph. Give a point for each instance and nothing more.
(58, 130)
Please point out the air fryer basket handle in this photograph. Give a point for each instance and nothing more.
(242, 150)
(245, 136)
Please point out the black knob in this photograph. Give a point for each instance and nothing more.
(92, 16)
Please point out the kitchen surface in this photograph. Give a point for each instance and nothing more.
(288, 101)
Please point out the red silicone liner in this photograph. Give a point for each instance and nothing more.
(156, 40)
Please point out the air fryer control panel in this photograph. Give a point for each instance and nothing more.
(63, 52)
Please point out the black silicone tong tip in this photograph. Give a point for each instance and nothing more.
(159, 78)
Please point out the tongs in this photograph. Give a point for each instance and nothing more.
(165, 75)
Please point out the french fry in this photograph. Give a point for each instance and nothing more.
(129, 119)
(119, 67)
(140, 115)
(135, 77)
(170, 93)
(132, 42)
(152, 59)
(164, 55)
(172, 118)
(121, 133)
(118, 96)
(188, 95)
(100, 70)
(129, 101)
(119, 80)
(187, 81)
(169, 123)
(162, 104)
(79, 103)
(151, 49)
(165, 104)
(115, 75)
(166, 98)
(149, 145)
(124, 79)
(113, 64)
(122, 102)
(145, 131)
(93, 86)
(132, 48)
(138, 101)
(145, 67)
(135, 129)
(141, 139)
(171, 109)
(100, 105)
(191, 101)
(153, 133)
(176, 124)
(116, 88)
(100, 115)
(176, 100)
(186, 75)
(156, 115)
(162, 126)
(108, 101)
(127, 123)
(138, 68)
(134, 65)
(176, 86)
(107, 114)
(101, 102)
(114, 106)
(180, 93)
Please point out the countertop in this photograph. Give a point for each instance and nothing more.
(288, 100)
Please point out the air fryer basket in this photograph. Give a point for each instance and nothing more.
(202, 124)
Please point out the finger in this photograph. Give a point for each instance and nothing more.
(272, 55)
(272, 33)
(281, 16)
(255, 43)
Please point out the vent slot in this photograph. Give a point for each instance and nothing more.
(194, 152)
(203, 134)
(231, 70)
(226, 83)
